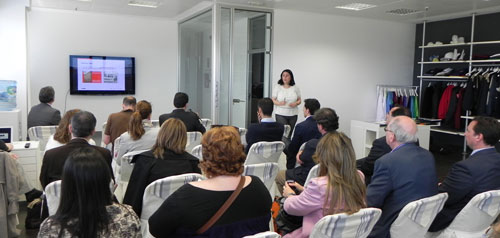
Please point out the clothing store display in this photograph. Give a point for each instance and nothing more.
(400, 95)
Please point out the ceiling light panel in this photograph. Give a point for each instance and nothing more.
(403, 11)
(140, 3)
(356, 6)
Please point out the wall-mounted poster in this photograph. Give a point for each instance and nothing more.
(8, 92)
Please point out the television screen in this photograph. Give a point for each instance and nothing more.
(101, 74)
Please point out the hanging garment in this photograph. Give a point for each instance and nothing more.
(482, 96)
(426, 107)
(458, 110)
(417, 114)
(389, 102)
(468, 100)
(380, 105)
(495, 99)
(445, 102)
(438, 91)
(449, 120)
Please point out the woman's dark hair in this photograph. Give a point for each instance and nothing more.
(85, 193)
(292, 80)
(62, 134)
(135, 127)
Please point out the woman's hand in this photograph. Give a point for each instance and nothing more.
(287, 190)
(297, 186)
(293, 104)
(278, 103)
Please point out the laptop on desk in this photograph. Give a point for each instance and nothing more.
(6, 134)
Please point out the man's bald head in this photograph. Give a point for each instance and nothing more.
(404, 129)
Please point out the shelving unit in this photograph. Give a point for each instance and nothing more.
(469, 46)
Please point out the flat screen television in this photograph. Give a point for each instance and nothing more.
(101, 75)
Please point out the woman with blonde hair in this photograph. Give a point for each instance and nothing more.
(168, 157)
(141, 134)
(63, 135)
(339, 188)
(187, 212)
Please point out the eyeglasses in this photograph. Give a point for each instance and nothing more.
(386, 130)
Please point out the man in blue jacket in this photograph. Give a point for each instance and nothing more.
(479, 173)
(304, 131)
(406, 174)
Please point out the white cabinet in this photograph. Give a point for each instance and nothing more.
(12, 119)
(30, 159)
(364, 133)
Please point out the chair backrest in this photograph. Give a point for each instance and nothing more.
(478, 214)
(313, 173)
(193, 139)
(266, 234)
(357, 225)
(243, 135)
(156, 123)
(103, 130)
(53, 195)
(197, 152)
(287, 130)
(263, 152)
(114, 164)
(207, 123)
(416, 217)
(157, 192)
(265, 171)
(41, 134)
(127, 167)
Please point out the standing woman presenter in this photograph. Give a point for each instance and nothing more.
(286, 97)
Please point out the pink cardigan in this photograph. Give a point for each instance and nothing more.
(309, 204)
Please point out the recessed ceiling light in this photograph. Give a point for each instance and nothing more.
(84, 0)
(140, 3)
(403, 11)
(255, 3)
(356, 6)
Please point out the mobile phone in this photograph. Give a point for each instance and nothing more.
(293, 187)
(27, 145)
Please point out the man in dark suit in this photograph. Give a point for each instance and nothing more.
(479, 173)
(190, 119)
(268, 129)
(379, 146)
(82, 128)
(304, 131)
(326, 121)
(43, 114)
(406, 174)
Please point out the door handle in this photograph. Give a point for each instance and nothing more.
(236, 100)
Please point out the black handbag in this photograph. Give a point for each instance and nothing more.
(285, 222)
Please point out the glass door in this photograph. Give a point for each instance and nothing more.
(245, 64)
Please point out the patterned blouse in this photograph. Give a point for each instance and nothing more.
(124, 223)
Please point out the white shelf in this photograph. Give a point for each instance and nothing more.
(486, 42)
(447, 132)
(485, 61)
(444, 45)
(442, 77)
(446, 62)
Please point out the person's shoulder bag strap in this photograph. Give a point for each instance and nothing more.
(223, 208)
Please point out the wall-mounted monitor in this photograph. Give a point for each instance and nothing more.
(100, 75)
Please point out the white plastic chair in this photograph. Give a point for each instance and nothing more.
(193, 139)
(243, 133)
(207, 123)
(266, 234)
(41, 134)
(473, 220)
(357, 225)
(196, 152)
(53, 195)
(157, 192)
(102, 135)
(416, 217)
(115, 166)
(263, 152)
(125, 170)
(313, 173)
(265, 171)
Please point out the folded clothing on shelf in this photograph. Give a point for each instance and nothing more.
(495, 56)
(433, 72)
(480, 57)
(445, 72)
(459, 72)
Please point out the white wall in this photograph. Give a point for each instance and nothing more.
(13, 50)
(53, 35)
(340, 60)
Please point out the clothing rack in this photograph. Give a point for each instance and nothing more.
(405, 93)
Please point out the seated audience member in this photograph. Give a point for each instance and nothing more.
(404, 175)
(479, 173)
(86, 208)
(339, 187)
(190, 119)
(304, 131)
(141, 134)
(267, 129)
(327, 121)
(7, 147)
(62, 135)
(43, 114)
(24, 183)
(117, 122)
(82, 127)
(379, 146)
(191, 206)
(167, 157)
